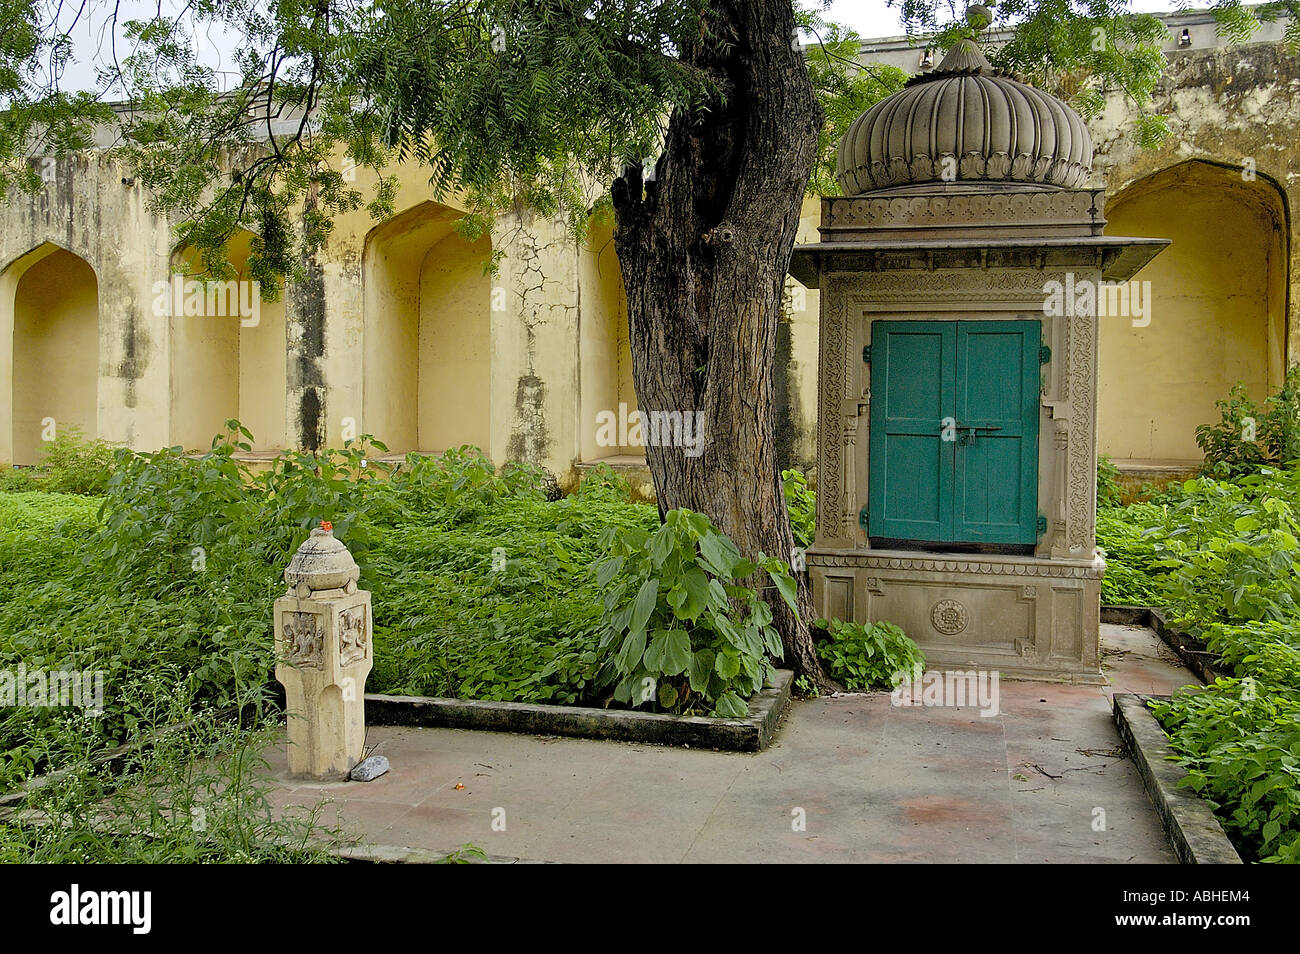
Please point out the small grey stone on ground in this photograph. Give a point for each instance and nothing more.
(368, 770)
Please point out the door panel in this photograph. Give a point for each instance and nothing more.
(912, 391)
(981, 487)
(996, 474)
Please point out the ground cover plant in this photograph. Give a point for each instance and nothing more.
(485, 586)
(1220, 554)
(863, 657)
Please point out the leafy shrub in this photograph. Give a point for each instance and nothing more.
(16, 480)
(72, 464)
(1223, 555)
(681, 630)
(1246, 437)
(459, 486)
(1231, 549)
(196, 793)
(801, 504)
(1134, 574)
(76, 465)
(1238, 742)
(1109, 492)
(602, 482)
(868, 657)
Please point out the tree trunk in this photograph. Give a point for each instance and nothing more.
(704, 250)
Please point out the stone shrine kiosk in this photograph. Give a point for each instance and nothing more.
(957, 409)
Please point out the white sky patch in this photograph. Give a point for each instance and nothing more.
(870, 18)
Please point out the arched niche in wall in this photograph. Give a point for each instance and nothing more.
(427, 360)
(1217, 313)
(49, 327)
(228, 350)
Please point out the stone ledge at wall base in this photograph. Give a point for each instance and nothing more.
(1025, 617)
(753, 733)
(631, 467)
(1193, 831)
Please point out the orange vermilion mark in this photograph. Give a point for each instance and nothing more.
(326, 525)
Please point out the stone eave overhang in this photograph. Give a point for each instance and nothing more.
(1118, 257)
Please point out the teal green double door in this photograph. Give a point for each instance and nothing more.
(954, 431)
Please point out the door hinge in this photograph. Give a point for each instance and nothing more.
(1044, 354)
(862, 517)
(866, 354)
(1041, 525)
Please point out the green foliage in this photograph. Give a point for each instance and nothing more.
(1231, 549)
(866, 657)
(195, 793)
(1222, 555)
(1239, 742)
(807, 688)
(1134, 575)
(483, 588)
(1246, 437)
(801, 505)
(466, 854)
(682, 631)
(845, 88)
(1078, 50)
(71, 465)
(1109, 492)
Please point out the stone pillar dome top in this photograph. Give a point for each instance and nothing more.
(322, 563)
(964, 122)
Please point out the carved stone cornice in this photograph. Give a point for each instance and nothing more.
(935, 563)
(1065, 210)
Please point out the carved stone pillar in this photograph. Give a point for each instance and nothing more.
(323, 631)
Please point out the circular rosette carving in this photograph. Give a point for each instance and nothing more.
(948, 617)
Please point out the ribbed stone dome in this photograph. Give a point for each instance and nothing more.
(965, 119)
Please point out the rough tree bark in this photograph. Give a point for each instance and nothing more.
(704, 250)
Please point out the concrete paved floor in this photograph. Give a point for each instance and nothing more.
(875, 783)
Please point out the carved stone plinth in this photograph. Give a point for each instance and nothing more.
(1023, 616)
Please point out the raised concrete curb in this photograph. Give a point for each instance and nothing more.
(751, 734)
(1206, 666)
(1194, 833)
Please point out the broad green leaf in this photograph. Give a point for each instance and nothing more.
(727, 664)
(701, 667)
(720, 553)
(661, 544)
(629, 654)
(644, 605)
(677, 652)
(730, 706)
(788, 589)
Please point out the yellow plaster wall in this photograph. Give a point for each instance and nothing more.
(604, 349)
(804, 332)
(455, 345)
(55, 351)
(1217, 310)
(223, 369)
